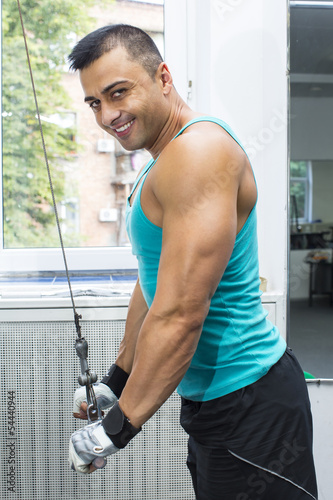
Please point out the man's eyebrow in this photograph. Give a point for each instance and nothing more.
(105, 90)
(110, 87)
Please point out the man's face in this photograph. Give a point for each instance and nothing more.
(126, 102)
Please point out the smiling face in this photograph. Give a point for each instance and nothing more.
(127, 103)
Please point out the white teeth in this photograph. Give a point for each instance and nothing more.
(124, 127)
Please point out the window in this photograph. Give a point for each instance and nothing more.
(300, 191)
(92, 175)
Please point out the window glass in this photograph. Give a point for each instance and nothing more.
(298, 190)
(92, 175)
(299, 169)
(301, 191)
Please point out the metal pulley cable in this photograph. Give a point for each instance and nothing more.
(87, 377)
(76, 315)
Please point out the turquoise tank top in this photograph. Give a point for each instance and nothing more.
(238, 344)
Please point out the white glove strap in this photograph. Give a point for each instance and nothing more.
(102, 438)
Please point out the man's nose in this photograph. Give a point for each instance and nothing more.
(109, 115)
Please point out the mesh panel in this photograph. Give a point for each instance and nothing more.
(39, 370)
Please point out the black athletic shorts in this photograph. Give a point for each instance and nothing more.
(255, 443)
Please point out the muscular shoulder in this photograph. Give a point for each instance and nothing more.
(206, 139)
(204, 160)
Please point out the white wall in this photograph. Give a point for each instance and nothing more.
(311, 126)
(237, 62)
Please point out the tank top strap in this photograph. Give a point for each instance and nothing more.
(142, 174)
(212, 119)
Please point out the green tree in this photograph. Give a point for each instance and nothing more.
(50, 28)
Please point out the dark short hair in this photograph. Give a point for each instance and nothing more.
(138, 44)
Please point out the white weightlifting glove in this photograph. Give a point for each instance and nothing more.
(104, 396)
(89, 445)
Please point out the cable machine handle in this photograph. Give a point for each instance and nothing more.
(88, 378)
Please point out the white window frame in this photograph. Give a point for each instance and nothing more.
(91, 258)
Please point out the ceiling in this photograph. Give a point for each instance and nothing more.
(311, 51)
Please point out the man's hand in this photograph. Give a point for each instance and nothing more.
(104, 396)
(87, 446)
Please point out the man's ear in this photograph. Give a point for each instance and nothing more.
(165, 77)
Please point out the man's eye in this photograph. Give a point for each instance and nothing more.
(95, 105)
(118, 93)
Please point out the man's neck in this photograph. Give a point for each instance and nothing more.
(180, 114)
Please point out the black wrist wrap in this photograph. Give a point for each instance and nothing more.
(118, 427)
(116, 379)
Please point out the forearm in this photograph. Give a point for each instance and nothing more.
(137, 311)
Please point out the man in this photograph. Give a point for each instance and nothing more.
(195, 319)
